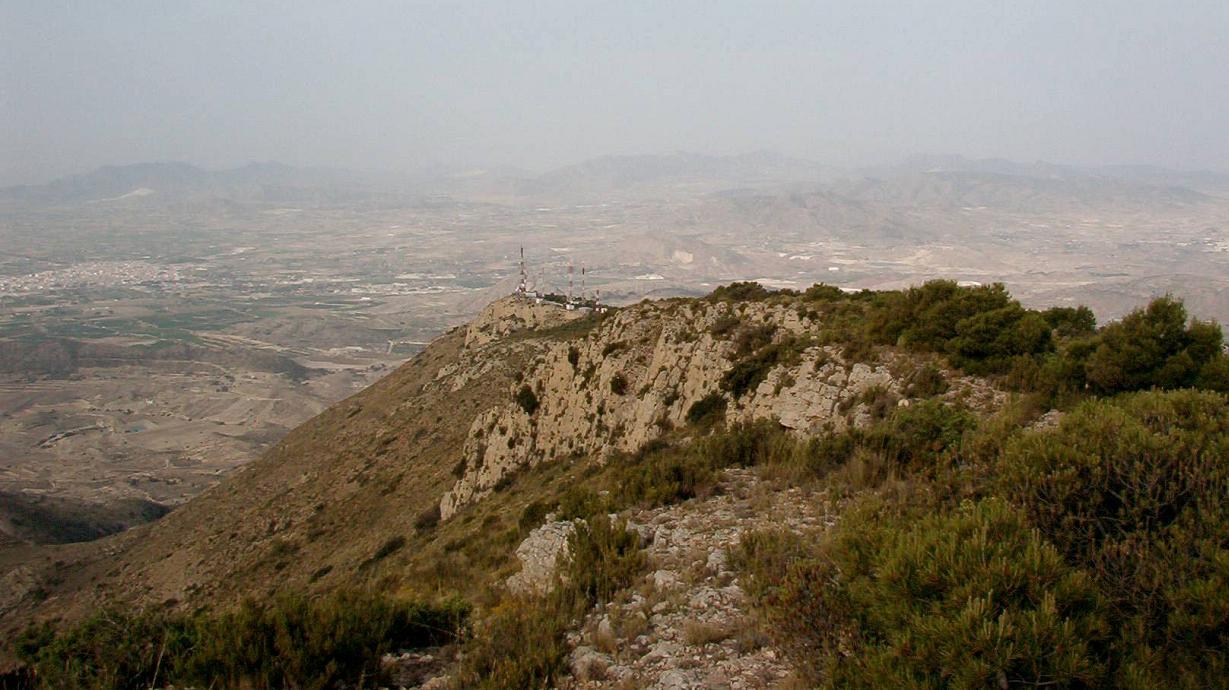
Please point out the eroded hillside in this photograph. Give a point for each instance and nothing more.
(650, 495)
(352, 496)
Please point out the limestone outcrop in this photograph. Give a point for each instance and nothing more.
(540, 554)
(637, 372)
(512, 314)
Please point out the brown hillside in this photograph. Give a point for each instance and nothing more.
(353, 495)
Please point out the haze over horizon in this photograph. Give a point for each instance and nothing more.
(396, 86)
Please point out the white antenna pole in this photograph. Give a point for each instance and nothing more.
(523, 287)
(571, 271)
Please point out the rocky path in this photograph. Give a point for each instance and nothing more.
(689, 624)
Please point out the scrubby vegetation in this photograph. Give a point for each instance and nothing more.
(1058, 352)
(527, 399)
(750, 371)
(977, 553)
(618, 384)
(707, 410)
(971, 552)
(521, 643)
(292, 642)
(1092, 555)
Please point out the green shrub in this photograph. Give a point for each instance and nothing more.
(986, 342)
(664, 476)
(928, 381)
(533, 515)
(914, 438)
(970, 599)
(926, 317)
(740, 292)
(389, 547)
(1152, 347)
(292, 641)
(527, 399)
(522, 643)
(1071, 322)
(708, 410)
(1133, 490)
(573, 356)
(724, 325)
(618, 384)
(1214, 375)
(750, 371)
(428, 518)
(820, 292)
(752, 338)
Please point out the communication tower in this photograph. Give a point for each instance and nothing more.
(523, 287)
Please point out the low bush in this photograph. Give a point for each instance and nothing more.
(389, 547)
(750, 371)
(752, 337)
(428, 518)
(927, 382)
(618, 384)
(969, 599)
(292, 642)
(1133, 490)
(1153, 347)
(707, 411)
(1091, 555)
(527, 399)
(521, 643)
(724, 325)
(740, 292)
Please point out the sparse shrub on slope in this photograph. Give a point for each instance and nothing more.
(292, 642)
(527, 399)
(618, 384)
(708, 410)
(521, 644)
(751, 370)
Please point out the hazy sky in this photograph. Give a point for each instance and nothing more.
(399, 85)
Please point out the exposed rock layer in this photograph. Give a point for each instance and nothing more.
(638, 373)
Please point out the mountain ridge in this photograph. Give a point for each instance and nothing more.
(446, 431)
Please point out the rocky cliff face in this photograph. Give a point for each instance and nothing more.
(638, 372)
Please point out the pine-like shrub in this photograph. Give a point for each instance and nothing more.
(1134, 491)
(970, 599)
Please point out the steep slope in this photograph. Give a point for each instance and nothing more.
(54, 520)
(353, 495)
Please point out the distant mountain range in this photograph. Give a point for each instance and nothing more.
(271, 182)
(918, 180)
